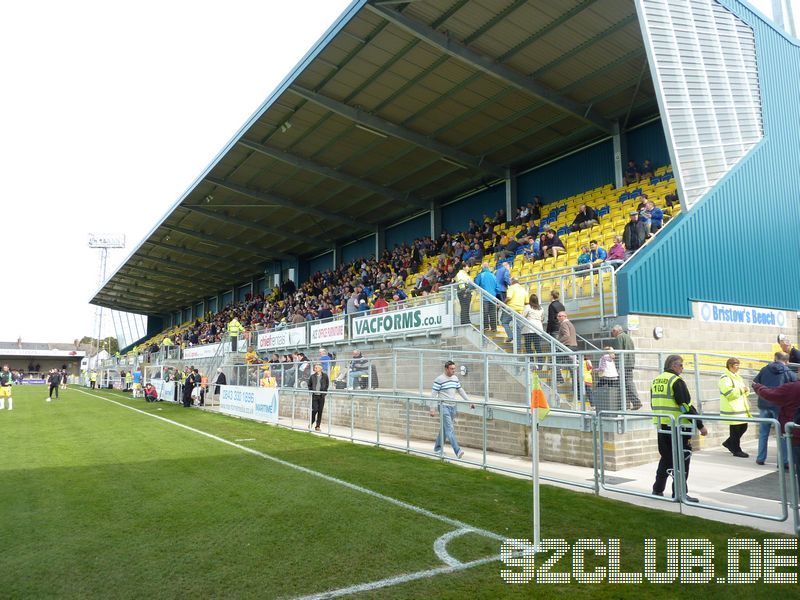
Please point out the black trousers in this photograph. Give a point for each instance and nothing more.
(317, 404)
(489, 315)
(735, 436)
(92, 384)
(464, 299)
(665, 464)
(234, 342)
(53, 387)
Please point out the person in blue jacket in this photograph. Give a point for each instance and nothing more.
(487, 282)
(502, 280)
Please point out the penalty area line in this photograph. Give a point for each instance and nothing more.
(352, 486)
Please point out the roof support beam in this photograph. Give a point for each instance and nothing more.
(385, 127)
(257, 226)
(223, 278)
(288, 203)
(202, 255)
(314, 167)
(219, 241)
(493, 69)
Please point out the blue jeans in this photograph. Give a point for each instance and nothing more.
(505, 320)
(353, 376)
(763, 434)
(448, 414)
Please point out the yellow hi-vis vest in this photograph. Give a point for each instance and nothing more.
(235, 328)
(662, 398)
(733, 397)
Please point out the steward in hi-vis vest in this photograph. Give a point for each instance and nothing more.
(733, 403)
(669, 397)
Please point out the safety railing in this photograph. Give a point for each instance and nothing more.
(794, 472)
(486, 313)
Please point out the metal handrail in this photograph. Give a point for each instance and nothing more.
(520, 324)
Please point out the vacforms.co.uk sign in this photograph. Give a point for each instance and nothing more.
(434, 316)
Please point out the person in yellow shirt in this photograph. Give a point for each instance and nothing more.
(516, 297)
(267, 380)
(733, 403)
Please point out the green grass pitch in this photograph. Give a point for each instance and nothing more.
(97, 501)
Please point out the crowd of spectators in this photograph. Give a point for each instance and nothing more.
(374, 284)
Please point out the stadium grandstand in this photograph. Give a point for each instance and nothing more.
(419, 138)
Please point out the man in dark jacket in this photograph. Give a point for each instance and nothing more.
(552, 312)
(586, 217)
(634, 234)
(188, 386)
(787, 399)
(773, 375)
(317, 385)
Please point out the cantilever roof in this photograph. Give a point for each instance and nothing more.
(399, 107)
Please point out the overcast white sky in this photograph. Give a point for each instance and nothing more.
(108, 112)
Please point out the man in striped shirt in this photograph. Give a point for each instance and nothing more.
(445, 387)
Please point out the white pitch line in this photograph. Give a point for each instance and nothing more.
(440, 547)
(246, 440)
(397, 580)
(417, 509)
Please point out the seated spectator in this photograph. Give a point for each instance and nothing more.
(631, 173)
(380, 305)
(358, 367)
(531, 229)
(586, 217)
(656, 216)
(634, 234)
(671, 200)
(597, 254)
(584, 262)
(647, 170)
(553, 244)
(644, 213)
(509, 249)
(616, 255)
(531, 250)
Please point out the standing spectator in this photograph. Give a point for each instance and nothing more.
(786, 345)
(553, 309)
(567, 336)
(234, 329)
(502, 277)
(445, 387)
(188, 386)
(5, 389)
(463, 292)
(787, 399)
(634, 234)
(623, 341)
(54, 379)
(534, 315)
(733, 403)
(773, 375)
(318, 384)
(656, 216)
(515, 298)
(219, 379)
(93, 379)
(670, 397)
(487, 282)
(325, 361)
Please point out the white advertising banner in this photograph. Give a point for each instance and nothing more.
(282, 338)
(165, 389)
(709, 312)
(260, 404)
(401, 322)
(206, 351)
(332, 331)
